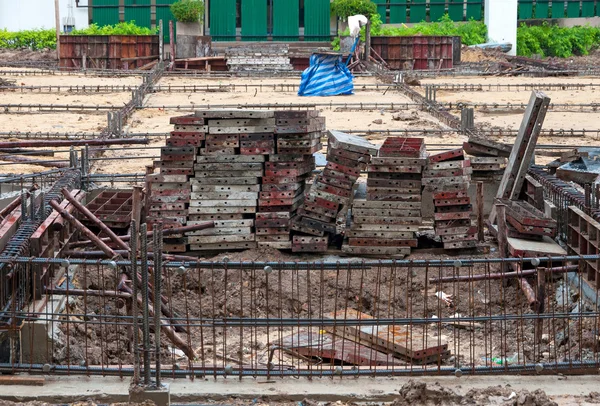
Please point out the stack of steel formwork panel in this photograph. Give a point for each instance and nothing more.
(386, 221)
(329, 197)
(297, 137)
(168, 192)
(448, 176)
(489, 157)
(526, 222)
(227, 177)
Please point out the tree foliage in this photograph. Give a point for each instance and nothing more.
(29, 39)
(346, 8)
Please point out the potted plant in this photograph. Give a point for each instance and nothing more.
(188, 14)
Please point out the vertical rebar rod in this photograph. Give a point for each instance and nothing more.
(134, 303)
(145, 303)
(157, 234)
(32, 206)
(23, 205)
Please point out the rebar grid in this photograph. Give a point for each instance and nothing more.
(298, 319)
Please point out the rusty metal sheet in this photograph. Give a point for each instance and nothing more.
(223, 137)
(449, 165)
(456, 180)
(406, 341)
(185, 142)
(243, 129)
(222, 210)
(229, 174)
(223, 203)
(287, 158)
(525, 230)
(215, 217)
(328, 196)
(257, 151)
(366, 204)
(344, 169)
(353, 156)
(174, 165)
(395, 169)
(217, 145)
(187, 120)
(319, 210)
(217, 151)
(446, 173)
(331, 189)
(280, 202)
(309, 247)
(454, 209)
(336, 182)
(295, 114)
(384, 242)
(228, 166)
(335, 349)
(276, 236)
(244, 245)
(224, 188)
(380, 234)
(347, 162)
(452, 202)
(452, 216)
(447, 155)
(236, 114)
(243, 122)
(286, 194)
(251, 196)
(402, 147)
(357, 211)
(330, 173)
(192, 129)
(273, 216)
(300, 150)
(222, 231)
(393, 183)
(213, 239)
(278, 180)
(317, 215)
(227, 181)
(460, 244)
(288, 172)
(387, 220)
(458, 194)
(340, 140)
(279, 245)
(300, 128)
(459, 237)
(281, 187)
(375, 250)
(446, 231)
(296, 225)
(318, 224)
(385, 227)
(262, 230)
(397, 197)
(230, 159)
(527, 214)
(177, 171)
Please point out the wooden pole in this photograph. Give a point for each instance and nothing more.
(480, 211)
(57, 17)
(172, 43)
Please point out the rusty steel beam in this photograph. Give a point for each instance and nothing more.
(125, 254)
(86, 231)
(530, 294)
(90, 216)
(28, 161)
(74, 143)
(88, 292)
(168, 231)
(493, 276)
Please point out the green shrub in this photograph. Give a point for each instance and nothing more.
(30, 39)
(128, 28)
(188, 11)
(552, 40)
(346, 8)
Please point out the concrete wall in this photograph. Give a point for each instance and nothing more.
(17, 15)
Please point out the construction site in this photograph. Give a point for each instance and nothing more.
(182, 224)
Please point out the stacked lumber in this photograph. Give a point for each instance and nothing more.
(386, 221)
(328, 200)
(168, 192)
(527, 222)
(227, 175)
(298, 136)
(258, 58)
(448, 176)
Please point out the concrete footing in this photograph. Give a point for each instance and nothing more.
(160, 396)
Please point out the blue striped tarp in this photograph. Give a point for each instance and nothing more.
(326, 76)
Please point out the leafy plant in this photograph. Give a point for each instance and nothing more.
(30, 39)
(346, 8)
(188, 11)
(552, 40)
(128, 28)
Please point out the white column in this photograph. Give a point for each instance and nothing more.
(501, 22)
